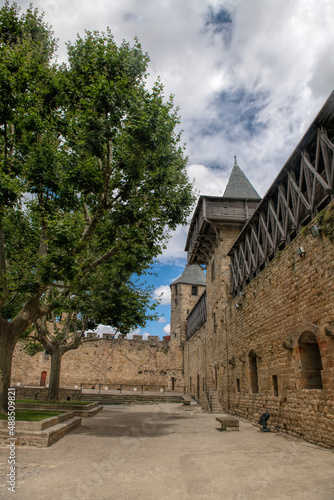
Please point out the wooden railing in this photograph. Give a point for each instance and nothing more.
(197, 317)
(301, 190)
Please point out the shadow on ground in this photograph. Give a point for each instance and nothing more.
(127, 423)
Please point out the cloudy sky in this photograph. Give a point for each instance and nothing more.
(248, 75)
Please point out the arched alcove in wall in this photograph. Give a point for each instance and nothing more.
(310, 358)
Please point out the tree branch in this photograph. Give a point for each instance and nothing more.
(30, 312)
(43, 246)
(87, 216)
(102, 259)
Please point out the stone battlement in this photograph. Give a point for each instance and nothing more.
(135, 338)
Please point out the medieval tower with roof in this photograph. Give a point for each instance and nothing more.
(215, 219)
(185, 292)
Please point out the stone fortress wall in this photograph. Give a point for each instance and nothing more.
(274, 351)
(150, 362)
(267, 340)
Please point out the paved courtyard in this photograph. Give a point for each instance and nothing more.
(168, 452)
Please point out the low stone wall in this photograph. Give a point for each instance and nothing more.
(41, 393)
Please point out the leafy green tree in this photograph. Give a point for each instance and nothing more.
(123, 306)
(92, 173)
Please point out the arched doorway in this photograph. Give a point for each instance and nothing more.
(310, 358)
(43, 379)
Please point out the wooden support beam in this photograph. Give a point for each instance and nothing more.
(325, 139)
(285, 203)
(281, 230)
(314, 172)
(326, 157)
(299, 194)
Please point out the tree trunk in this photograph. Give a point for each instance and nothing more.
(7, 346)
(56, 355)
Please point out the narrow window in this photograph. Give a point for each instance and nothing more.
(214, 322)
(310, 360)
(190, 384)
(194, 290)
(238, 384)
(275, 385)
(253, 372)
(213, 272)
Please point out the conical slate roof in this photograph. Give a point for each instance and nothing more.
(238, 185)
(192, 275)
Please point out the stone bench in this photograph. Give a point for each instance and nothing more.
(228, 424)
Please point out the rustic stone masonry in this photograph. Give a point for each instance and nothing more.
(119, 361)
(255, 357)
(41, 393)
(268, 340)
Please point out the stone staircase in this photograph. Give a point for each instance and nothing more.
(215, 404)
(128, 399)
(40, 434)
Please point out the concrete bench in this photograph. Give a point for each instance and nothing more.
(228, 424)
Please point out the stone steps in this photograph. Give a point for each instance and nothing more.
(121, 399)
(78, 410)
(216, 406)
(41, 437)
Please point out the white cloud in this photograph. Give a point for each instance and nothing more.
(208, 181)
(162, 319)
(164, 294)
(136, 331)
(174, 253)
(249, 76)
(166, 329)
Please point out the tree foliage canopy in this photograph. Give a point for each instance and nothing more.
(92, 174)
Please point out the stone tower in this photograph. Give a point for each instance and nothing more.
(215, 225)
(185, 291)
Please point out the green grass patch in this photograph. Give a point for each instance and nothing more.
(32, 415)
(40, 402)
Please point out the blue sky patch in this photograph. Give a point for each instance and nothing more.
(219, 20)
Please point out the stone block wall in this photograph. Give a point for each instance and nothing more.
(41, 393)
(119, 361)
(291, 299)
